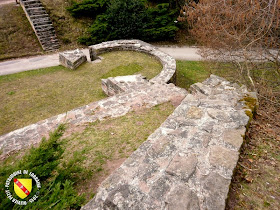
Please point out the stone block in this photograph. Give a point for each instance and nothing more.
(216, 188)
(72, 59)
(220, 156)
(181, 198)
(194, 113)
(234, 137)
(116, 85)
(182, 166)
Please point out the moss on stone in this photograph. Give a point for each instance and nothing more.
(250, 107)
(250, 102)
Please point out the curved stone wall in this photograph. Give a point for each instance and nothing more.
(169, 64)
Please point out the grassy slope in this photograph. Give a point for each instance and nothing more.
(16, 35)
(107, 144)
(28, 97)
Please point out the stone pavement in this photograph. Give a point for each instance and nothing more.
(188, 162)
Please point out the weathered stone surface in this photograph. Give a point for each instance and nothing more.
(234, 137)
(188, 162)
(216, 189)
(72, 59)
(220, 156)
(181, 197)
(116, 85)
(182, 166)
(194, 113)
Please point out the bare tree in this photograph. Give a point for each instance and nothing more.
(245, 32)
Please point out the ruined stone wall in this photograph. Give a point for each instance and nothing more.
(188, 162)
(169, 64)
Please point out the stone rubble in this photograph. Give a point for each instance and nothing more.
(188, 162)
(72, 59)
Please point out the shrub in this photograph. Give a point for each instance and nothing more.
(57, 190)
(130, 19)
(89, 8)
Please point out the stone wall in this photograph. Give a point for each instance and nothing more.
(146, 96)
(188, 162)
(169, 64)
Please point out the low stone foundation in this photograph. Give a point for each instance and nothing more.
(146, 96)
(188, 162)
(169, 64)
(72, 59)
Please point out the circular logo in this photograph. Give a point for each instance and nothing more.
(22, 186)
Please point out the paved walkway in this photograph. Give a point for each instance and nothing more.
(43, 61)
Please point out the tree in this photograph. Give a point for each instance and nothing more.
(246, 32)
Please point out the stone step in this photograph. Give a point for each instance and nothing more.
(33, 17)
(45, 30)
(49, 41)
(26, 2)
(36, 12)
(41, 23)
(50, 37)
(32, 4)
(44, 27)
(46, 34)
(50, 44)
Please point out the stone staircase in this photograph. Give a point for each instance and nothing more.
(41, 24)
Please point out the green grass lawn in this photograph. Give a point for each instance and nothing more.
(28, 97)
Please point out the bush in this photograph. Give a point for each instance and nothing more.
(89, 8)
(161, 24)
(57, 190)
(130, 19)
